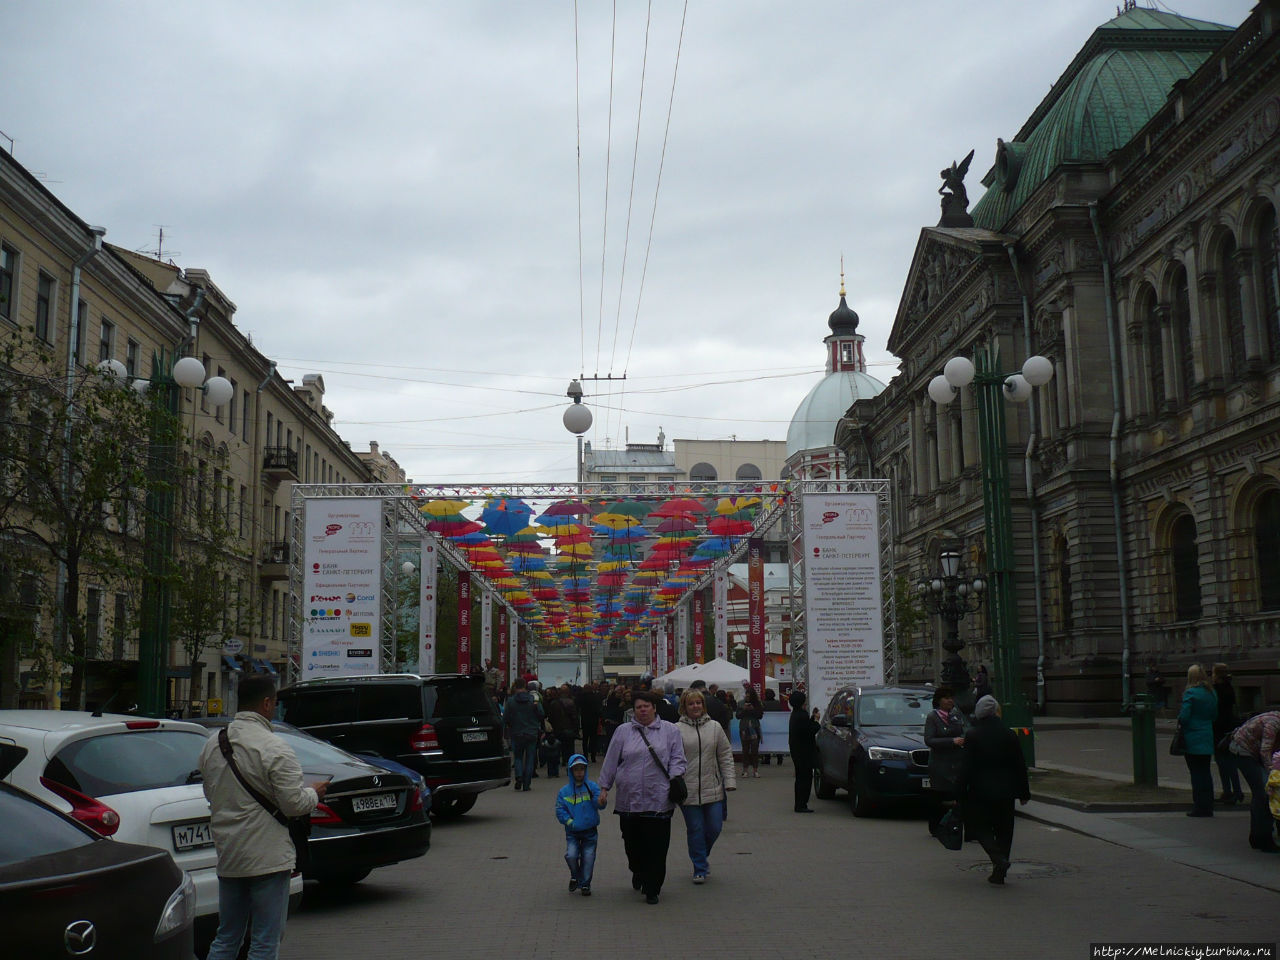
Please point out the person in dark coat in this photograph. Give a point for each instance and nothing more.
(590, 705)
(562, 714)
(981, 683)
(993, 773)
(804, 750)
(1228, 770)
(717, 709)
(944, 736)
(522, 723)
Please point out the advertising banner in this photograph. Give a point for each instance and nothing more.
(682, 635)
(503, 663)
(669, 644)
(699, 632)
(755, 613)
(843, 610)
(341, 586)
(464, 621)
(513, 642)
(486, 628)
(720, 608)
(654, 667)
(427, 586)
(522, 652)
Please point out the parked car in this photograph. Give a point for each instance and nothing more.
(443, 726)
(370, 817)
(67, 890)
(871, 743)
(129, 778)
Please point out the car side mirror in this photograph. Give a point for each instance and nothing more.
(841, 720)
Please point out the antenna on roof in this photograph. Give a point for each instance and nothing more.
(158, 252)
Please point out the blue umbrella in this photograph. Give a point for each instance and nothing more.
(506, 516)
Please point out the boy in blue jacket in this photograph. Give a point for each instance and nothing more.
(578, 806)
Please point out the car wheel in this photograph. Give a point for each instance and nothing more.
(822, 789)
(345, 878)
(859, 795)
(443, 808)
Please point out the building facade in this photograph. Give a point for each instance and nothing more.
(1128, 233)
(732, 459)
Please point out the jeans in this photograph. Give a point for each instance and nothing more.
(1229, 772)
(260, 903)
(1201, 782)
(703, 823)
(580, 854)
(524, 753)
(1261, 824)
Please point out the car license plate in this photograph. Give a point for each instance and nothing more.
(475, 736)
(379, 801)
(192, 836)
(924, 783)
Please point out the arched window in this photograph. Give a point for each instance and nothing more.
(1153, 339)
(1186, 569)
(702, 471)
(1232, 307)
(1182, 334)
(1269, 275)
(1266, 541)
(748, 471)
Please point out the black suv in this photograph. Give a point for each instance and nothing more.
(872, 744)
(444, 726)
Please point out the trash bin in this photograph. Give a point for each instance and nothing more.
(1143, 719)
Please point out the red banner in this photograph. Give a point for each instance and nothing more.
(654, 667)
(503, 644)
(464, 622)
(522, 654)
(669, 663)
(755, 613)
(699, 640)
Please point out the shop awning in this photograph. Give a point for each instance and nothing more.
(229, 663)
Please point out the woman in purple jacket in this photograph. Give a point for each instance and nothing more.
(641, 772)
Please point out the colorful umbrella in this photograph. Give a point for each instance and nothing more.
(678, 506)
(506, 516)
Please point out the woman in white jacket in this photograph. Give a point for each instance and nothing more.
(708, 775)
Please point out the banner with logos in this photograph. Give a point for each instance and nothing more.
(682, 635)
(486, 628)
(427, 586)
(699, 632)
(720, 608)
(755, 613)
(844, 625)
(341, 586)
(654, 666)
(668, 644)
(503, 664)
(464, 621)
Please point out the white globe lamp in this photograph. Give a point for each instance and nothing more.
(1037, 370)
(188, 372)
(958, 371)
(940, 391)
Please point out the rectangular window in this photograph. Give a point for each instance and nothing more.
(306, 466)
(8, 272)
(217, 411)
(106, 340)
(231, 408)
(244, 417)
(44, 307)
(82, 326)
(217, 495)
(131, 349)
(275, 615)
(270, 421)
(204, 397)
(244, 511)
(92, 622)
(119, 626)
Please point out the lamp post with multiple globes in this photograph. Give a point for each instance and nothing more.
(951, 596)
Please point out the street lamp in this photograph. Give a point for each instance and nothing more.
(992, 388)
(577, 419)
(157, 543)
(951, 596)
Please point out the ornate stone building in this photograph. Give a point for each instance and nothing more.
(1128, 233)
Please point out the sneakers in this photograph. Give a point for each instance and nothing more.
(573, 885)
(699, 878)
(585, 891)
(756, 774)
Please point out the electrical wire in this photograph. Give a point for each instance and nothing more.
(577, 109)
(608, 159)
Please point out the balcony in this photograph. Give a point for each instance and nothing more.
(280, 463)
(275, 561)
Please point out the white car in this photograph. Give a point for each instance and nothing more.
(130, 778)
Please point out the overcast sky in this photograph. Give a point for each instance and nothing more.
(389, 191)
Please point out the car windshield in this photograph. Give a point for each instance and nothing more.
(127, 762)
(33, 830)
(892, 710)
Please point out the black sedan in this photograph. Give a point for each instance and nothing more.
(66, 891)
(871, 743)
(370, 817)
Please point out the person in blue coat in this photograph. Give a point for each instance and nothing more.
(1199, 710)
(578, 806)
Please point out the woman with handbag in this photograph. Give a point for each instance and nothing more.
(749, 716)
(708, 776)
(1195, 721)
(992, 774)
(944, 736)
(646, 763)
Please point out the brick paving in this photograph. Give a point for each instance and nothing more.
(494, 884)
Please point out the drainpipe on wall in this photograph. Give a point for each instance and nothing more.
(255, 534)
(60, 584)
(1032, 438)
(1117, 407)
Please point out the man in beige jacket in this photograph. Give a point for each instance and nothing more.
(255, 854)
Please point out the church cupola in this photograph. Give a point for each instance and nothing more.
(844, 346)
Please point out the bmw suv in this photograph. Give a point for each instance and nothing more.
(871, 744)
(443, 726)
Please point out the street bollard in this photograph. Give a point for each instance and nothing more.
(1143, 719)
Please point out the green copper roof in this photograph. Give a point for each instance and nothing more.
(1114, 85)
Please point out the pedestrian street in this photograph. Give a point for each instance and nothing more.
(495, 884)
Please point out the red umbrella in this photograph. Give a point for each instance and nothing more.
(678, 524)
(678, 506)
(729, 527)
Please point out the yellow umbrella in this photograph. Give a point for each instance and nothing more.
(735, 504)
(444, 508)
(615, 521)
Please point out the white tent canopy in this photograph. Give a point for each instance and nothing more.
(726, 675)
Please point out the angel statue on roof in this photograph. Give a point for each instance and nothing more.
(955, 205)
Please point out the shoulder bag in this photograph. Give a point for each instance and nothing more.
(1178, 745)
(677, 792)
(299, 827)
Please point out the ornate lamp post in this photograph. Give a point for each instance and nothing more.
(992, 388)
(951, 596)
